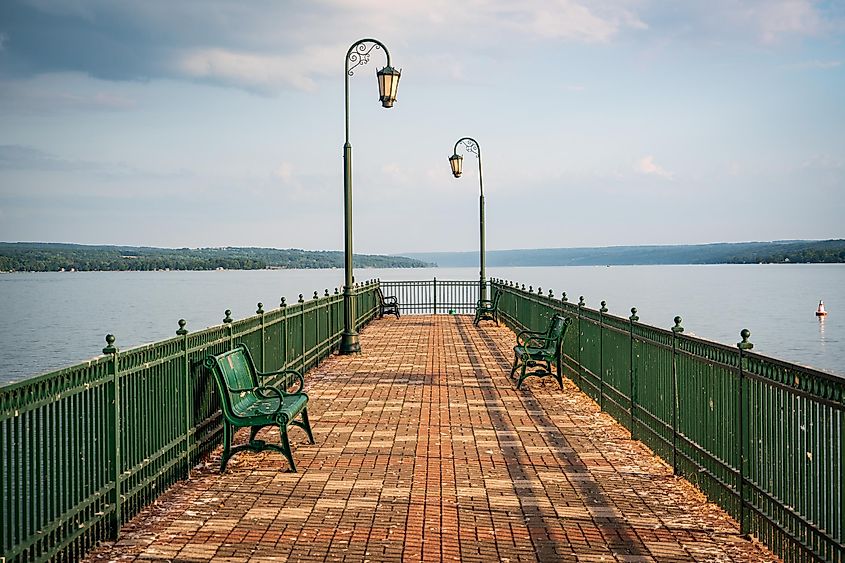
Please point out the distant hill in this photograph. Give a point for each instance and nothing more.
(52, 257)
(800, 251)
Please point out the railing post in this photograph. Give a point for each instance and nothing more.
(114, 442)
(301, 302)
(284, 336)
(317, 357)
(434, 297)
(676, 330)
(186, 386)
(580, 344)
(602, 311)
(260, 313)
(326, 341)
(633, 373)
(227, 320)
(743, 346)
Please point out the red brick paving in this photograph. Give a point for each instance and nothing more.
(426, 452)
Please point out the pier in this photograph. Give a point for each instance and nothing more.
(661, 446)
(426, 451)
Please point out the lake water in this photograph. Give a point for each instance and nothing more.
(52, 320)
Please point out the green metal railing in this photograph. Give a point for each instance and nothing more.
(433, 297)
(84, 449)
(760, 437)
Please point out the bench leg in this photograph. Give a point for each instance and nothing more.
(559, 374)
(306, 425)
(522, 375)
(227, 446)
(286, 447)
(515, 364)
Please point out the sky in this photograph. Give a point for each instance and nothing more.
(205, 123)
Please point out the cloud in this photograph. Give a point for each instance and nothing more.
(816, 65)
(4, 38)
(264, 74)
(19, 157)
(646, 165)
(786, 17)
(63, 92)
(767, 22)
(273, 47)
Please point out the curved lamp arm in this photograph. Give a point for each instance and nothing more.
(359, 54)
(471, 146)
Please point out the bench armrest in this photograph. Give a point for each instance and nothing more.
(484, 303)
(276, 394)
(294, 372)
(389, 300)
(527, 336)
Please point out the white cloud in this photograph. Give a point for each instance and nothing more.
(646, 165)
(786, 17)
(816, 64)
(256, 72)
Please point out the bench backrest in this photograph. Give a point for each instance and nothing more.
(496, 296)
(233, 370)
(557, 330)
(380, 295)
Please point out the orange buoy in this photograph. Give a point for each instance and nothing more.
(820, 312)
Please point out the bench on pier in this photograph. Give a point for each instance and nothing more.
(386, 305)
(486, 309)
(247, 403)
(536, 351)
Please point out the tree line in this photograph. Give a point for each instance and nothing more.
(54, 257)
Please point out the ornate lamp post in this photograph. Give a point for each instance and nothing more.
(388, 81)
(456, 161)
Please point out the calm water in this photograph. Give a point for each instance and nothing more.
(56, 319)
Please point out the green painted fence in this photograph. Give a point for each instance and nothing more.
(84, 449)
(760, 437)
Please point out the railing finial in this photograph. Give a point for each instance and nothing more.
(182, 330)
(260, 310)
(110, 347)
(228, 317)
(603, 307)
(678, 328)
(634, 318)
(745, 334)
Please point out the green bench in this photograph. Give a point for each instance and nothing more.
(485, 309)
(387, 305)
(246, 403)
(538, 350)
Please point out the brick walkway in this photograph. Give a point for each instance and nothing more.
(425, 451)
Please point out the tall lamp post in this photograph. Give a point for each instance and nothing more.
(388, 81)
(456, 162)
